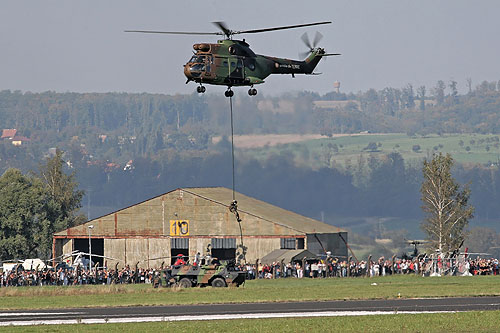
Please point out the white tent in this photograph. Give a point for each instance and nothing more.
(36, 263)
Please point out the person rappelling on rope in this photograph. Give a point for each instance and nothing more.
(233, 208)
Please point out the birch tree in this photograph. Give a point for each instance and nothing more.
(445, 204)
(64, 197)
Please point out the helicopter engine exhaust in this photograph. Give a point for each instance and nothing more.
(201, 47)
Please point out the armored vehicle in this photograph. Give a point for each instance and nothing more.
(215, 275)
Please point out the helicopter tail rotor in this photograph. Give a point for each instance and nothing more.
(311, 45)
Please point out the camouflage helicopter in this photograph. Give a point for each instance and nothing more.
(415, 253)
(232, 63)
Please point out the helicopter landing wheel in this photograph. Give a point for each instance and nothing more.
(200, 89)
(229, 93)
(252, 91)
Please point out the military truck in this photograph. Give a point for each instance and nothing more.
(216, 275)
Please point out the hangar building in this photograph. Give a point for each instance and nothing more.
(190, 220)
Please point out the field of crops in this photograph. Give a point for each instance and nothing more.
(465, 148)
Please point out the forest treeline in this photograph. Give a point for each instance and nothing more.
(168, 138)
(120, 126)
(391, 187)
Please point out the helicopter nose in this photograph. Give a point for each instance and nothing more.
(193, 70)
(187, 71)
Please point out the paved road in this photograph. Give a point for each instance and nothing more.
(190, 312)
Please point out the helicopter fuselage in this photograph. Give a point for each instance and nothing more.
(233, 63)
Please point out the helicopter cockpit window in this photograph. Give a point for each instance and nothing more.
(197, 59)
(198, 68)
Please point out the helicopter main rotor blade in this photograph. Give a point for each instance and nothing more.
(223, 26)
(279, 28)
(226, 31)
(175, 32)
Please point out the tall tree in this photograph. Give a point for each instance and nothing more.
(439, 92)
(421, 96)
(408, 97)
(445, 204)
(469, 85)
(453, 92)
(65, 198)
(24, 229)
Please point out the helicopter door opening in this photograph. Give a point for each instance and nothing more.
(236, 69)
(179, 246)
(224, 248)
(82, 245)
(208, 66)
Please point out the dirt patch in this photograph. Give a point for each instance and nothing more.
(257, 141)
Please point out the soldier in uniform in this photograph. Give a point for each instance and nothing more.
(179, 261)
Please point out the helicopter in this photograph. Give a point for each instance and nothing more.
(415, 253)
(231, 62)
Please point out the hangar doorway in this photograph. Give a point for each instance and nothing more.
(82, 245)
(179, 246)
(224, 248)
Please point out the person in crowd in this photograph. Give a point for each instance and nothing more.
(180, 260)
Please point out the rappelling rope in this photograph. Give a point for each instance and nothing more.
(232, 141)
(234, 204)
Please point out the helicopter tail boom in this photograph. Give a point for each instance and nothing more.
(286, 66)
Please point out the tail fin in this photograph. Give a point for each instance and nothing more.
(313, 59)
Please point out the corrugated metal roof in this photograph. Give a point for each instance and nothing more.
(263, 210)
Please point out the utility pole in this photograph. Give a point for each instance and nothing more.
(90, 247)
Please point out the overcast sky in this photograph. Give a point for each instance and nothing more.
(80, 46)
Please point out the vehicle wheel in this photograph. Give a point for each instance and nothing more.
(218, 283)
(198, 89)
(254, 91)
(203, 89)
(185, 283)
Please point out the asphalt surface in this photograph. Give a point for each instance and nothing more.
(194, 311)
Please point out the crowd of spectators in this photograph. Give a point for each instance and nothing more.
(65, 275)
(333, 267)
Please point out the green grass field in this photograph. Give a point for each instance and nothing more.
(440, 322)
(465, 148)
(280, 290)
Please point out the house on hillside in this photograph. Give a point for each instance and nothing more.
(8, 133)
(11, 135)
(19, 140)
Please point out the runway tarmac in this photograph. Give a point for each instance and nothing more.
(246, 310)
